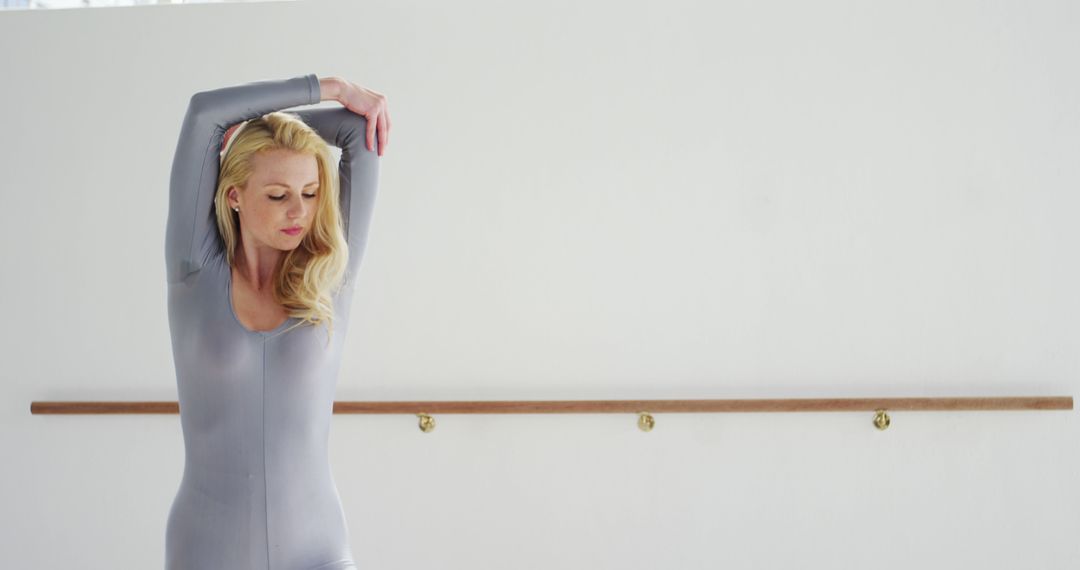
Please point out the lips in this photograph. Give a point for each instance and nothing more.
(293, 230)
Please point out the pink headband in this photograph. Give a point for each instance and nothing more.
(230, 136)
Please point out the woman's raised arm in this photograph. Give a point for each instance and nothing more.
(190, 232)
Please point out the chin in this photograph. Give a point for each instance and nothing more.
(289, 245)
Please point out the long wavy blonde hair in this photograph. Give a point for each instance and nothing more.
(313, 272)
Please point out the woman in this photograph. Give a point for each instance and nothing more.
(262, 247)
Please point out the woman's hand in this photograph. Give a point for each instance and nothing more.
(369, 104)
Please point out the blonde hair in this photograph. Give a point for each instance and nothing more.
(312, 273)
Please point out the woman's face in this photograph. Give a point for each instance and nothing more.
(282, 193)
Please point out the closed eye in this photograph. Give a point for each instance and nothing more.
(282, 197)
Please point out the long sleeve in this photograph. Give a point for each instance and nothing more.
(358, 173)
(191, 232)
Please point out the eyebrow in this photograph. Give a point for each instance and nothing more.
(286, 186)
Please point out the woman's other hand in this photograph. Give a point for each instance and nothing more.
(369, 104)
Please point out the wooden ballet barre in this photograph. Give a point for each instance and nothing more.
(612, 406)
(643, 408)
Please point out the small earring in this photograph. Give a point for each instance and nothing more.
(237, 209)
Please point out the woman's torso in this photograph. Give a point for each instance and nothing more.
(255, 409)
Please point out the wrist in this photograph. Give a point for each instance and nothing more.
(330, 89)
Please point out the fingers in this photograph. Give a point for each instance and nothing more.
(371, 132)
(384, 134)
(387, 113)
(381, 124)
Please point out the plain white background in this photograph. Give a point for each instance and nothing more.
(588, 200)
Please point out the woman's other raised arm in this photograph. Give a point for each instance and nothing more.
(361, 129)
(358, 173)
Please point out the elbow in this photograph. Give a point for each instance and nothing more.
(204, 106)
(354, 132)
(197, 103)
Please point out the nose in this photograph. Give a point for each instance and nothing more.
(297, 209)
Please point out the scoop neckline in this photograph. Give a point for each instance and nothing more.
(232, 310)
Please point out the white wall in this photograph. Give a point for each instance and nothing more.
(588, 200)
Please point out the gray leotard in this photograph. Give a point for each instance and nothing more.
(255, 407)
